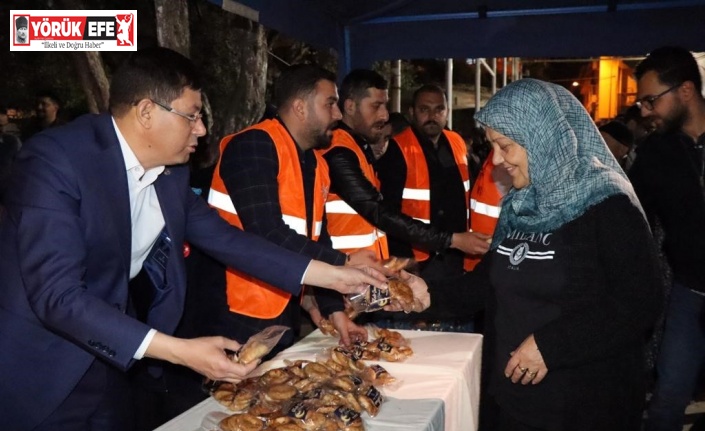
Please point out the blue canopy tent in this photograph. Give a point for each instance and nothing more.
(364, 31)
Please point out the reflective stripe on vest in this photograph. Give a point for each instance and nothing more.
(349, 231)
(339, 207)
(484, 209)
(223, 202)
(416, 195)
(247, 295)
(485, 199)
(353, 241)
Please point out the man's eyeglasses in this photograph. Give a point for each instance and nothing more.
(192, 118)
(648, 101)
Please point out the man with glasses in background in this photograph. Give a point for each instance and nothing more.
(668, 176)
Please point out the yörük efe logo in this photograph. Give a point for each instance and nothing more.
(73, 30)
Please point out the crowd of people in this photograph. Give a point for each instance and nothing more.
(12, 134)
(122, 288)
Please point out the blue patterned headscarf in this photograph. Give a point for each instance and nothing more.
(570, 167)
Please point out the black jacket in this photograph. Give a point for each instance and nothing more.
(589, 307)
(350, 183)
(666, 176)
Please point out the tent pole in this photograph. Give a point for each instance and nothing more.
(478, 81)
(494, 75)
(449, 90)
(504, 71)
(520, 72)
(396, 86)
(478, 75)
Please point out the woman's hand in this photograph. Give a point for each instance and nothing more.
(422, 299)
(526, 364)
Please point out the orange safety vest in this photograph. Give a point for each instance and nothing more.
(248, 295)
(416, 196)
(348, 230)
(485, 201)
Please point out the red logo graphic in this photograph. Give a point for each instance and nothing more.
(125, 30)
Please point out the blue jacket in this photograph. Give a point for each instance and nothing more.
(65, 241)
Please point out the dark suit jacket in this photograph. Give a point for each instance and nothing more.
(65, 243)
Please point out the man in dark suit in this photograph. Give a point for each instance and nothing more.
(93, 205)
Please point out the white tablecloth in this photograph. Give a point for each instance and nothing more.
(394, 415)
(445, 366)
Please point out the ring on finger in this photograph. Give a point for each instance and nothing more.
(522, 369)
(531, 374)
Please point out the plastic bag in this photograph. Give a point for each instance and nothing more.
(260, 344)
(372, 299)
(257, 347)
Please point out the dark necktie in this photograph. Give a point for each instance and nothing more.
(146, 290)
(157, 259)
(147, 287)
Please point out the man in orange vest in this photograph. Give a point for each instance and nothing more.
(357, 215)
(269, 181)
(424, 174)
(492, 183)
(357, 212)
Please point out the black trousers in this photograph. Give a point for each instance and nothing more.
(508, 423)
(99, 402)
(156, 400)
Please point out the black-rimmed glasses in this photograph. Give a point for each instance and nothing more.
(192, 118)
(648, 101)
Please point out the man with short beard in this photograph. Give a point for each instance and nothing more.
(270, 182)
(424, 174)
(48, 115)
(357, 215)
(669, 176)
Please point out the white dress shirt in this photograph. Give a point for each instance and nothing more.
(145, 213)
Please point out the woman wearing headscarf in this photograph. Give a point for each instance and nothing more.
(572, 270)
